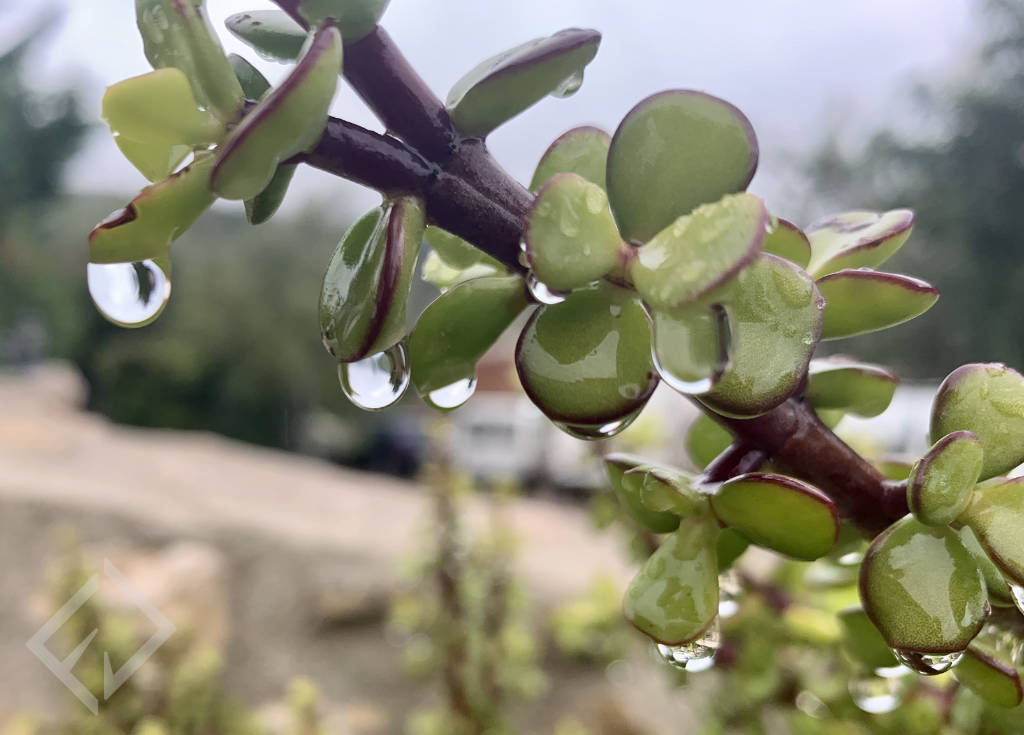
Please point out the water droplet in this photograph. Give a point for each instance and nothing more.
(569, 86)
(729, 591)
(378, 381)
(542, 293)
(928, 664)
(850, 559)
(453, 395)
(695, 656)
(1018, 596)
(129, 294)
(569, 222)
(809, 703)
(595, 199)
(876, 695)
(591, 432)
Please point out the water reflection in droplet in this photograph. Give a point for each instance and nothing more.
(695, 656)
(378, 381)
(541, 292)
(928, 664)
(129, 294)
(453, 395)
(569, 86)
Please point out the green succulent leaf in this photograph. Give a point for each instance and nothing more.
(366, 287)
(999, 592)
(991, 675)
(571, 238)
(662, 488)
(456, 252)
(156, 121)
(272, 33)
(674, 597)
(857, 240)
(996, 515)
(940, 485)
(177, 34)
(779, 513)
(863, 300)
(287, 121)
(862, 640)
(775, 318)
(986, 399)
(850, 387)
(502, 86)
(673, 152)
(705, 440)
(699, 251)
(616, 466)
(788, 241)
(355, 18)
(155, 218)
(692, 346)
(437, 272)
(895, 466)
(456, 330)
(587, 361)
(730, 546)
(922, 589)
(582, 151)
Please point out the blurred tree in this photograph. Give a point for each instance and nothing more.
(965, 183)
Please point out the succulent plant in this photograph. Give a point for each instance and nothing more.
(634, 258)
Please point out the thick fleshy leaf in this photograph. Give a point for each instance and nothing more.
(271, 32)
(691, 346)
(155, 218)
(662, 488)
(571, 238)
(857, 240)
(895, 466)
(582, 151)
(850, 387)
(178, 34)
(355, 18)
(673, 152)
(287, 121)
(616, 466)
(779, 513)
(775, 318)
(922, 589)
(940, 485)
(788, 241)
(999, 592)
(863, 300)
(587, 361)
(437, 272)
(699, 251)
(456, 330)
(986, 399)
(156, 121)
(264, 205)
(674, 597)
(502, 86)
(705, 440)
(730, 546)
(365, 289)
(996, 515)
(991, 674)
(862, 640)
(455, 251)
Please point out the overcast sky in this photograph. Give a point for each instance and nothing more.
(793, 66)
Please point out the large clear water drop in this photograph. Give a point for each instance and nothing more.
(129, 294)
(695, 656)
(452, 396)
(876, 695)
(928, 664)
(569, 86)
(377, 381)
(541, 293)
(595, 432)
(697, 350)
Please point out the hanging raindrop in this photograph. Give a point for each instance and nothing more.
(542, 293)
(928, 664)
(129, 294)
(593, 432)
(453, 395)
(696, 374)
(876, 695)
(729, 591)
(569, 86)
(695, 656)
(378, 381)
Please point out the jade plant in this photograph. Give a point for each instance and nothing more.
(634, 258)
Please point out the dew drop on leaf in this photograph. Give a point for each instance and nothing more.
(591, 432)
(541, 292)
(876, 695)
(695, 656)
(129, 294)
(569, 86)
(453, 395)
(928, 664)
(377, 381)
